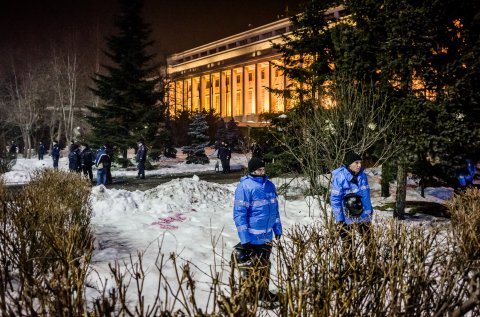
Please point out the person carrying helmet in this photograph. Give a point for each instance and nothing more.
(257, 220)
(350, 197)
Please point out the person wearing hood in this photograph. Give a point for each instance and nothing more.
(102, 161)
(350, 196)
(257, 220)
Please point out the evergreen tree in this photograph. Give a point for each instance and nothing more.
(212, 118)
(233, 135)
(130, 105)
(433, 44)
(199, 134)
(307, 55)
(221, 134)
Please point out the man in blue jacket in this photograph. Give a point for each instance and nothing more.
(102, 161)
(351, 182)
(467, 174)
(257, 219)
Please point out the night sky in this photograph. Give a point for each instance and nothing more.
(177, 25)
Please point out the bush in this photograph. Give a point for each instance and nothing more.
(464, 209)
(47, 244)
(397, 269)
(6, 163)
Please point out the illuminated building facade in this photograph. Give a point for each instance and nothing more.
(232, 76)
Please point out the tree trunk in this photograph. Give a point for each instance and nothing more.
(385, 181)
(401, 198)
(124, 154)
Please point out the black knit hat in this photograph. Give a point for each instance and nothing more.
(351, 157)
(254, 164)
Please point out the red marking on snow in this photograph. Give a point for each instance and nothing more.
(165, 222)
(167, 227)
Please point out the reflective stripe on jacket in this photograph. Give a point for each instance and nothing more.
(255, 210)
(341, 185)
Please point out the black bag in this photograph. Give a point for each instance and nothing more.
(352, 205)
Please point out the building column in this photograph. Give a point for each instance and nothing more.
(201, 93)
(244, 93)
(232, 91)
(270, 86)
(222, 105)
(211, 90)
(257, 89)
(191, 94)
(183, 95)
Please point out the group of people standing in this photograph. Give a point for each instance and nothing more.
(81, 160)
(257, 218)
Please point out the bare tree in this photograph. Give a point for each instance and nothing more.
(351, 116)
(23, 98)
(65, 76)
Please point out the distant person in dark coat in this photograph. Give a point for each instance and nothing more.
(55, 154)
(13, 150)
(256, 150)
(86, 160)
(74, 158)
(224, 154)
(41, 150)
(141, 158)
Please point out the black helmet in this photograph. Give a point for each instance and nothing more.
(353, 206)
(241, 255)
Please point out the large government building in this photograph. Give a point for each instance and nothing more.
(232, 75)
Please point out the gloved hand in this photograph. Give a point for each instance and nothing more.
(278, 236)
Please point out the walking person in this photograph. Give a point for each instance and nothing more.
(350, 199)
(224, 154)
(257, 219)
(40, 150)
(86, 161)
(102, 161)
(55, 154)
(141, 157)
(13, 150)
(74, 158)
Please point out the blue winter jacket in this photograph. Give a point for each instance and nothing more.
(56, 151)
(341, 185)
(466, 179)
(255, 210)
(102, 159)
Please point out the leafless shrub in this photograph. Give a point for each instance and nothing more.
(352, 116)
(47, 244)
(400, 271)
(465, 213)
(396, 269)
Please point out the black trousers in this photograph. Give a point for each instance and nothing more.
(258, 267)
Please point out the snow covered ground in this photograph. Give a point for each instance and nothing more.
(187, 216)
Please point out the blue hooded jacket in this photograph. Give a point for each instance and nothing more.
(467, 178)
(342, 185)
(102, 159)
(255, 210)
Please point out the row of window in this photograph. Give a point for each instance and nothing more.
(234, 44)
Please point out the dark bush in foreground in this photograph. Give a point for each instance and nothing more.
(401, 269)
